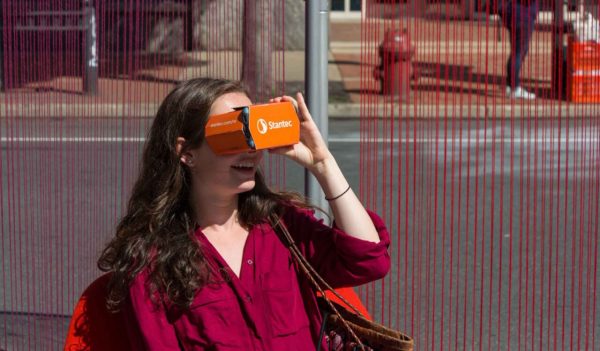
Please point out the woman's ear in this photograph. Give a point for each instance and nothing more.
(186, 158)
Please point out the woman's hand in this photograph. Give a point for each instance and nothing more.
(312, 151)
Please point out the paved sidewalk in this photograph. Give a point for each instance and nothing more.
(459, 69)
(459, 66)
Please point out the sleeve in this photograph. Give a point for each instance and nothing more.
(153, 332)
(342, 260)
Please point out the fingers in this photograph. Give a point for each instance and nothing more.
(290, 99)
(299, 105)
(303, 108)
(284, 151)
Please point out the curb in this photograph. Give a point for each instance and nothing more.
(394, 109)
(389, 109)
(79, 110)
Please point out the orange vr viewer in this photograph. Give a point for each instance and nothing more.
(254, 127)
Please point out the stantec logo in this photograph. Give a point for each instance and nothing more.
(263, 127)
(261, 124)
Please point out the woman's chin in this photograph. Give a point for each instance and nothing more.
(247, 186)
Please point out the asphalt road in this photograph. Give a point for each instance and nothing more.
(494, 224)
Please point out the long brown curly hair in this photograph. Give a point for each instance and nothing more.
(156, 232)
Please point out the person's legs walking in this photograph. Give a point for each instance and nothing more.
(513, 65)
(524, 34)
(520, 24)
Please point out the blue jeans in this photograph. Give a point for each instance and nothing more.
(520, 21)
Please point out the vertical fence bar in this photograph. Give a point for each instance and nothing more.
(90, 70)
(557, 50)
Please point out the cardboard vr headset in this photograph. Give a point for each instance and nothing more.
(254, 127)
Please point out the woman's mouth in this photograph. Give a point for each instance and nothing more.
(244, 166)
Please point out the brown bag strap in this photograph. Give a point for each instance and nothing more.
(316, 280)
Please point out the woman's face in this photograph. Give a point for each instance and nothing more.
(225, 174)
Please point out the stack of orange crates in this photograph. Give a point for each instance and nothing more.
(583, 71)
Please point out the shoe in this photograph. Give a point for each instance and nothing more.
(519, 93)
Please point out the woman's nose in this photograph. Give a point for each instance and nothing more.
(255, 153)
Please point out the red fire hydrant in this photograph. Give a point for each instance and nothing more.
(395, 68)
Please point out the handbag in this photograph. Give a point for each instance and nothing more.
(343, 329)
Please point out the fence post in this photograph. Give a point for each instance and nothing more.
(2, 29)
(557, 50)
(189, 26)
(90, 69)
(317, 82)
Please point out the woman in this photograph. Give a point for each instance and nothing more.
(195, 262)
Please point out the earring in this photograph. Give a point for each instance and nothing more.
(186, 161)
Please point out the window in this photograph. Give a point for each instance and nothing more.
(346, 5)
(337, 5)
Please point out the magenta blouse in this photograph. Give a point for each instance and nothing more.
(270, 306)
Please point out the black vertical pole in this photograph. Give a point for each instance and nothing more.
(2, 29)
(558, 51)
(189, 25)
(90, 71)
